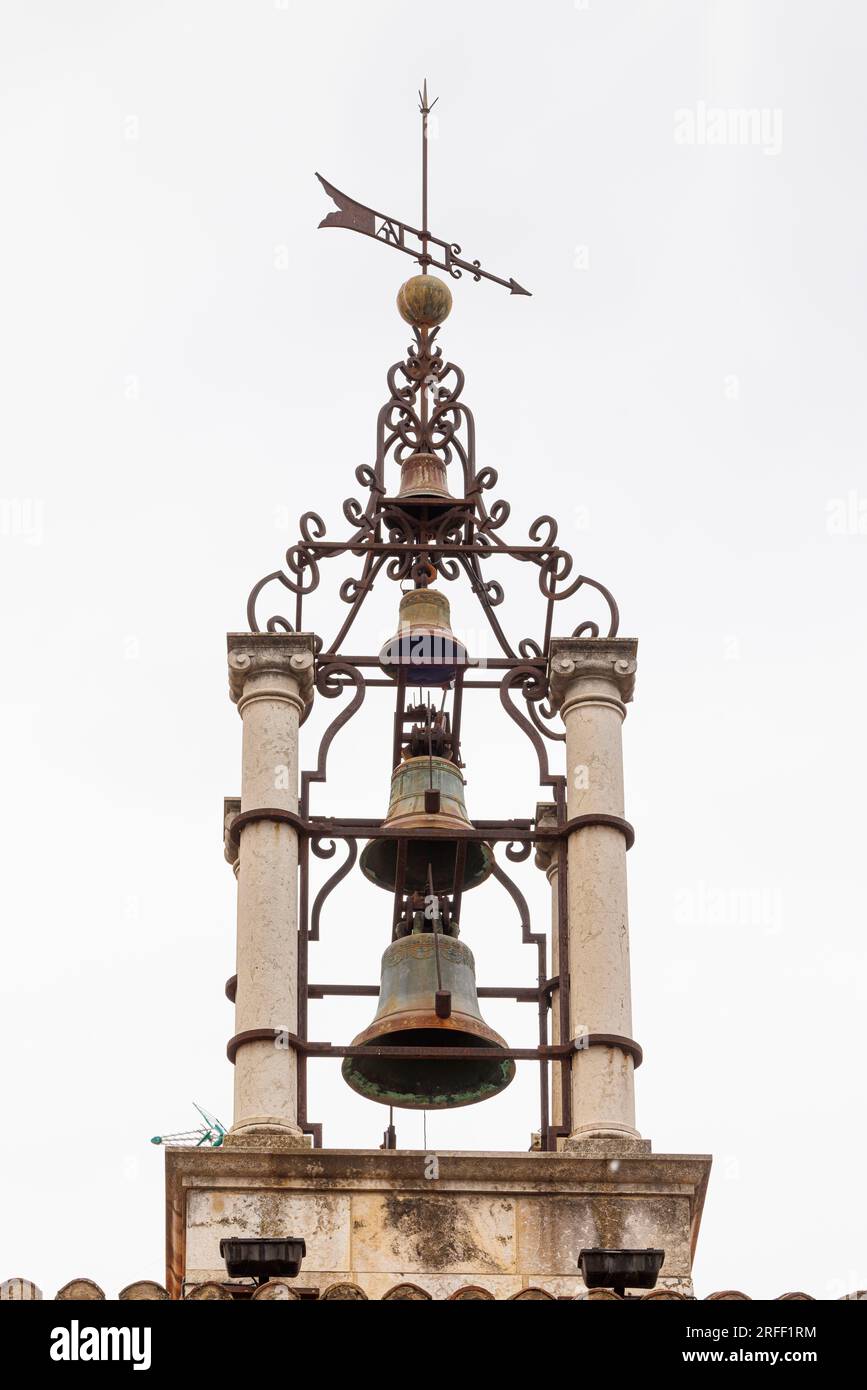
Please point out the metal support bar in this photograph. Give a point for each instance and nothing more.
(520, 994)
(553, 1052)
(322, 827)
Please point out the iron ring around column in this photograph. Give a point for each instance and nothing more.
(615, 822)
(259, 1035)
(611, 1040)
(264, 813)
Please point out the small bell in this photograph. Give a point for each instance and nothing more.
(428, 998)
(423, 480)
(412, 785)
(424, 646)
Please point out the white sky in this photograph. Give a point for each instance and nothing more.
(685, 391)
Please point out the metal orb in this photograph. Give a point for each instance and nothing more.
(424, 301)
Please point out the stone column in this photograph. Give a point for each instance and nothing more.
(548, 860)
(592, 680)
(271, 681)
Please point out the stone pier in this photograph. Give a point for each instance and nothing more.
(271, 681)
(503, 1222)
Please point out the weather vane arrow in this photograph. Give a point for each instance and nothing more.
(413, 241)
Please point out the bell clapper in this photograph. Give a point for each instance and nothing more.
(389, 1138)
(443, 1003)
(442, 997)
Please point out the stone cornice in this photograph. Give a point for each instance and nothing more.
(611, 659)
(468, 1171)
(271, 653)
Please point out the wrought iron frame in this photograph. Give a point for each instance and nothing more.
(420, 542)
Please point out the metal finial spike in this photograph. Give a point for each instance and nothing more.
(426, 106)
(424, 259)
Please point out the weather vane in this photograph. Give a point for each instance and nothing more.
(413, 241)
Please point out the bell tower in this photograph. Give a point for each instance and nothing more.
(589, 1195)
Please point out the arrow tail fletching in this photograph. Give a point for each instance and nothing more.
(355, 216)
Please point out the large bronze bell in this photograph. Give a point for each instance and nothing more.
(411, 782)
(408, 1016)
(424, 647)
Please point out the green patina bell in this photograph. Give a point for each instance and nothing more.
(411, 781)
(424, 646)
(407, 1016)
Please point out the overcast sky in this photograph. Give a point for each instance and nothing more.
(188, 364)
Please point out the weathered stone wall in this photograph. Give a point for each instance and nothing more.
(503, 1222)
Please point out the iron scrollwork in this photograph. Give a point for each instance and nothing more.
(426, 414)
(419, 543)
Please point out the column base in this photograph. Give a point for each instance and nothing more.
(263, 1132)
(606, 1139)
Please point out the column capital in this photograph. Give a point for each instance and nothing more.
(283, 654)
(609, 659)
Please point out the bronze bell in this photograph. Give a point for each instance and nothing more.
(424, 646)
(423, 479)
(411, 784)
(409, 1015)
